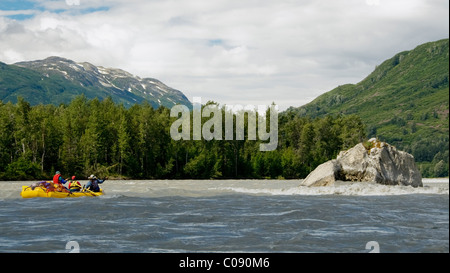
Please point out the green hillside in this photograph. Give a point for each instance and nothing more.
(404, 101)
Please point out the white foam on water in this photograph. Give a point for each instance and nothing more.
(200, 188)
(346, 188)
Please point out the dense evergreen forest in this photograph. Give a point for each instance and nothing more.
(107, 139)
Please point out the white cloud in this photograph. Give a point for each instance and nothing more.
(16, 12)
(233, 52)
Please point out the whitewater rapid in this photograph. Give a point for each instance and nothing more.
(199, 188)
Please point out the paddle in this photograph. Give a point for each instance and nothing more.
(91, 192)
(86, 190)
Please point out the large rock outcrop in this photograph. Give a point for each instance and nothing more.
(373, 162)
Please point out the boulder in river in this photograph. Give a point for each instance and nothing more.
(373, 161)
(323, 175)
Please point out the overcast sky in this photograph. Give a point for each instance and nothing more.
(233, 52)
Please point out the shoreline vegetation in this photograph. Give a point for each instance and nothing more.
(101, 137)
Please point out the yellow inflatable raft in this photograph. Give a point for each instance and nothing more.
(30, 192)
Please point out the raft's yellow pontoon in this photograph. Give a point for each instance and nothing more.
(29, 192)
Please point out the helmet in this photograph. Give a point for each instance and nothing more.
(73, 177)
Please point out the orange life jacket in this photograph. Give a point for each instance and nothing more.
(56, 178)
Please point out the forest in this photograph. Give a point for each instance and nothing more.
(100, 137)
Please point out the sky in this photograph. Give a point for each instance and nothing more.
(247, 52)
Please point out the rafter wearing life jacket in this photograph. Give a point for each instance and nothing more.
(92, 185)
(74, 185)
(57, 179)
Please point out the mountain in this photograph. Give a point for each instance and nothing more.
(404, 101)
(58, 80)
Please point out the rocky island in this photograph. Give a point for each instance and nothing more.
(372, 161)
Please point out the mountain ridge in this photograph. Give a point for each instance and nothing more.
(58, 80)
(404, 101)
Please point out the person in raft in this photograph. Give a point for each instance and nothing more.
(58, 182)
(74, 185)
(57, 179)
(92, 185)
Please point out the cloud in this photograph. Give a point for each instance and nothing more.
(241, 52)
(10, 13)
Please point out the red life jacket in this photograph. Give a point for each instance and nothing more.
(56, 178)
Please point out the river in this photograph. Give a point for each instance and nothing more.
(229, 216)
